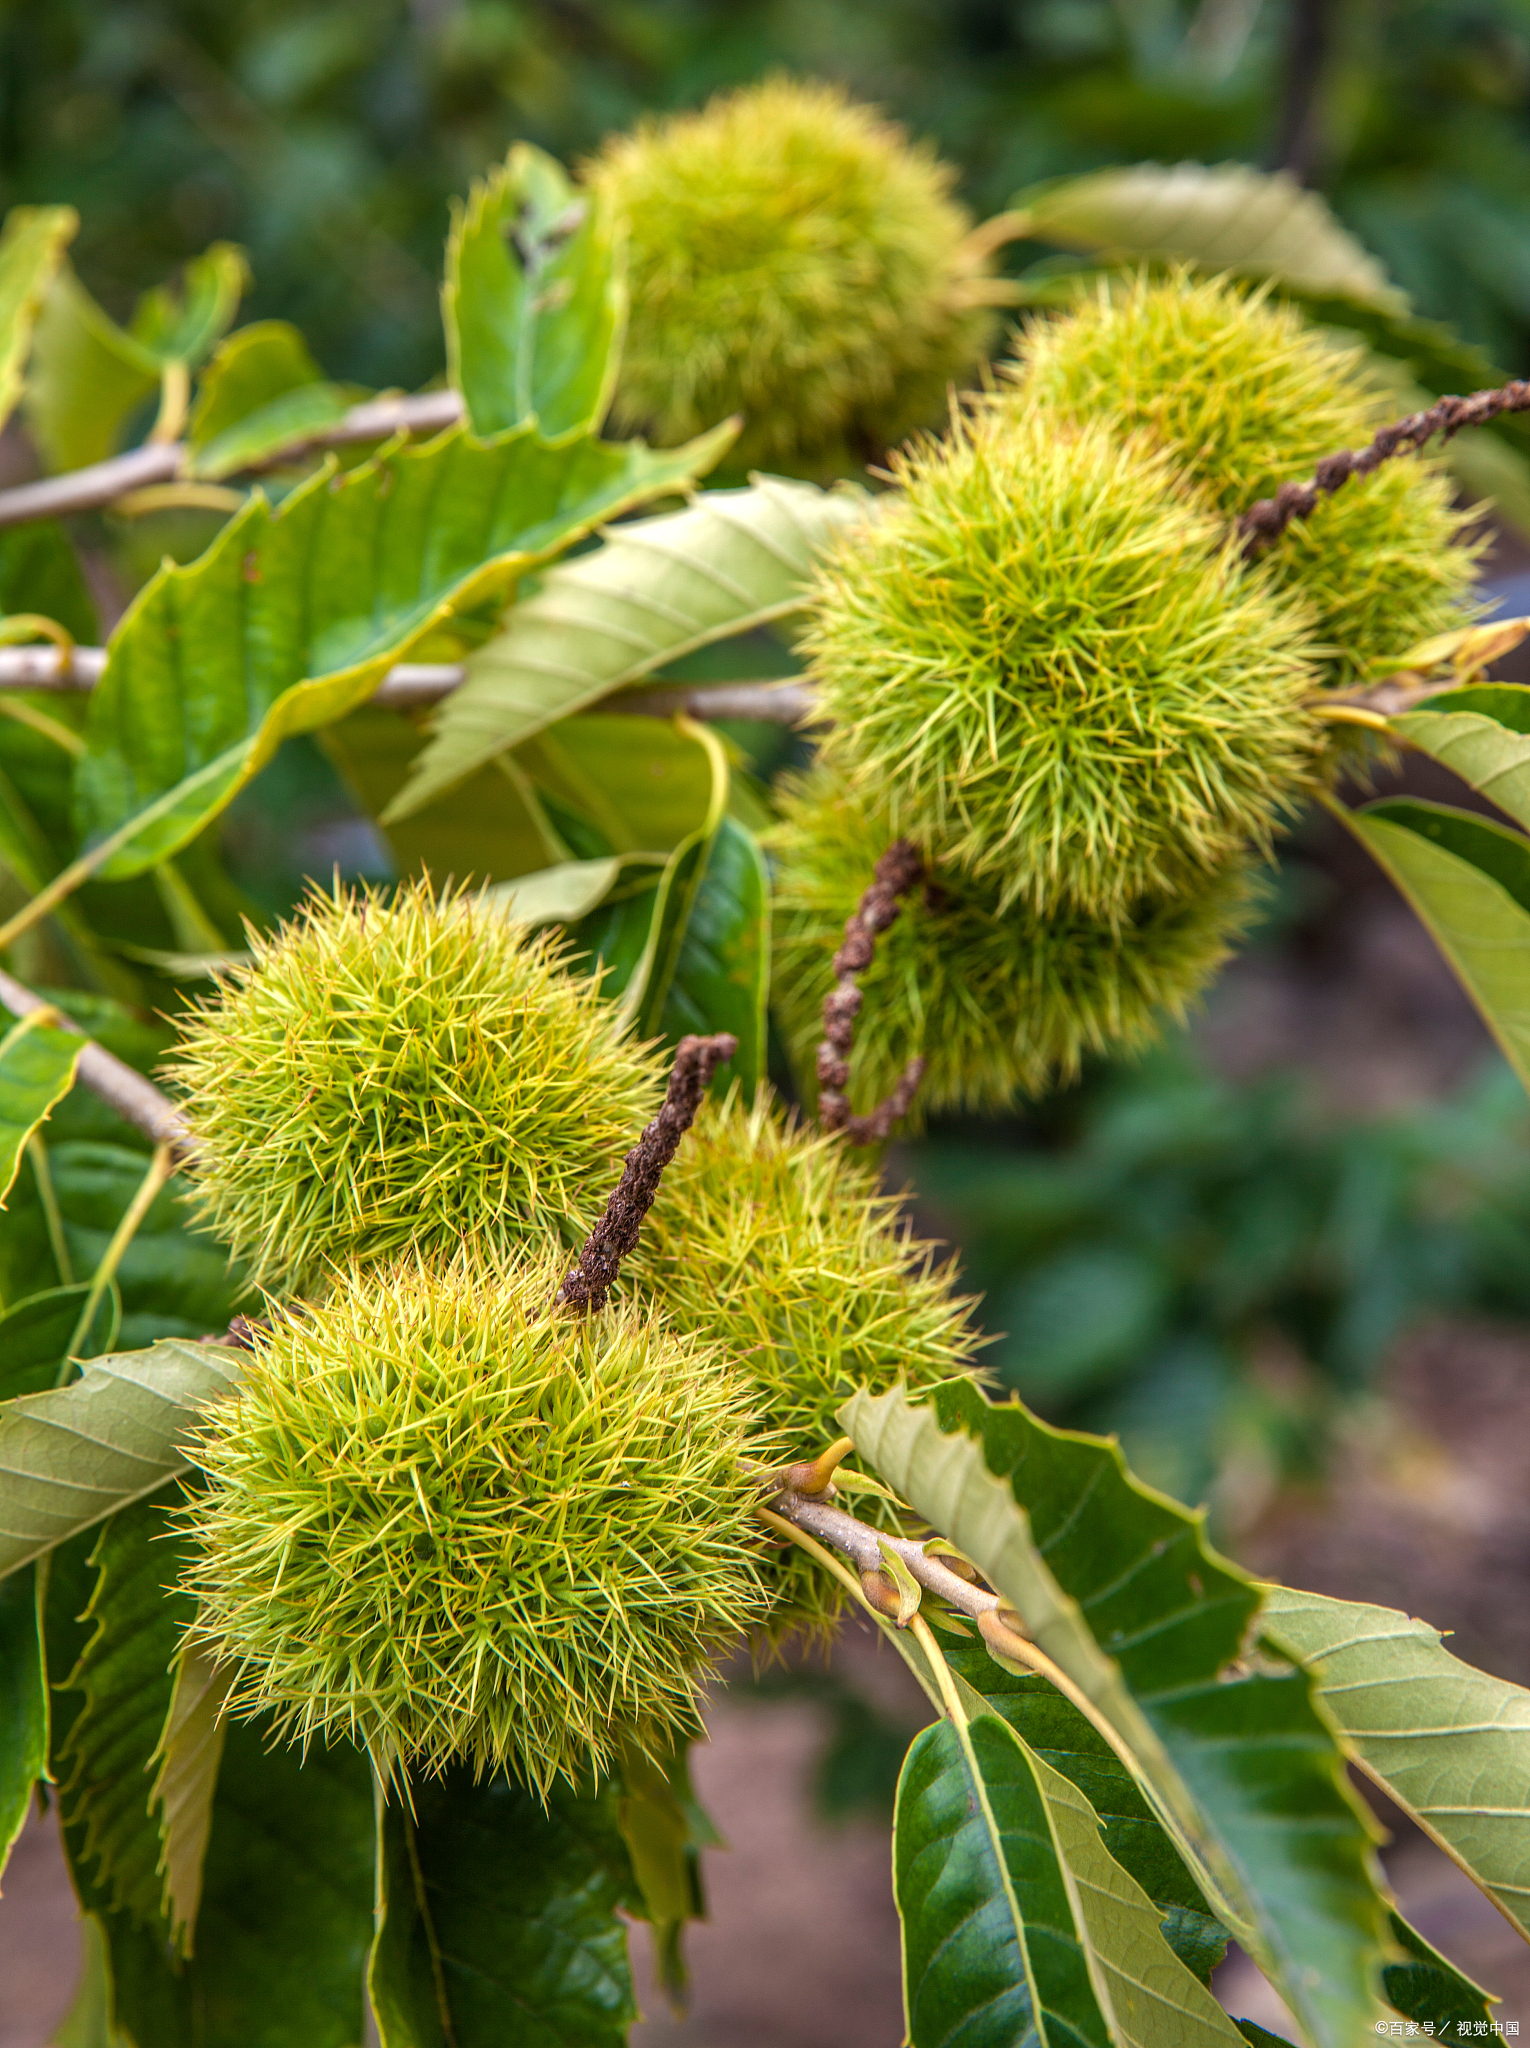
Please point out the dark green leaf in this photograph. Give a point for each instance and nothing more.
(722, 977)
(23, 1705)
(534, 300)
(1055, 1731)
(1116, 1586)
(40, 572)
(38, 1334)
(498, 1919)
(1469, 882)
(1430, 1990)
(1017, 1926)
(293, 614)
(124, 1676)
(32, 246)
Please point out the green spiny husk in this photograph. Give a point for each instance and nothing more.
(795, 259)
(1046, 660)
(410, 1073)
(446, 1518)
(1001, 1003)
(775, 1241)
(1247, 394)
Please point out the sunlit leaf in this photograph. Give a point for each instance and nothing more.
(1469, 882)
(1450, 1744)
(72, 1456)
(1482, 734)
(190, 1754)
(291, 617)
(653, 590)
(261, 391)
(32, 245)
(38, 1057)
(1225, 217)
(181, 322)
(534, 300)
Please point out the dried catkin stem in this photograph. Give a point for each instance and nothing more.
(894, 875)
(594, 1273)
(1269, 518)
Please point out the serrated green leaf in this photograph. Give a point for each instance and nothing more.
(286, 1909)
(23, 1705)
(32, 245)
(190, 1754)
(534, 300)
(124, 1676)
(38, 1057)
(73, 1456)
(497, 1919)
(179, 323)
(722, 976)
(1054, 1730)
(1017, 1924)
(1482, 734)
(1450, 1744)
(1117, 1587)
(88, 2023)
(86, 378)
(665, 1830)
(261, 391)
(655, 589)
(1224, 217)
(293, 614)
(1469, 883)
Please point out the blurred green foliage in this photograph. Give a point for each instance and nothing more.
(1210, 1267)
(328, 138)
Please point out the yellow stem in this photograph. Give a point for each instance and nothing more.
(161, 1167)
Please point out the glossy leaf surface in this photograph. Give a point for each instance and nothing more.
(534, 300)
(291, 617)
(1116, 1586)
(498, 1920)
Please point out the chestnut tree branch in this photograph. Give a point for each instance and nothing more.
(102, 483)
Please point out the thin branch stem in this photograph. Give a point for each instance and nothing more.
(135, 1100)
(160, 1169)
(594, 1273)
(409, 685)
(864, 1546)
(163, 462)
